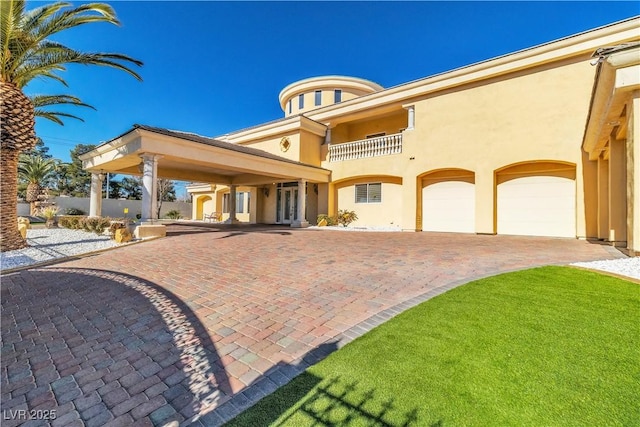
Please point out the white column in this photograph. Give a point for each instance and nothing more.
(411, 119)
(149, 192)
(327, 136)
(301, 222)
(633, 175)
(95, 203)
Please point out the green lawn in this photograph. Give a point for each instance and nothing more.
(552, 346)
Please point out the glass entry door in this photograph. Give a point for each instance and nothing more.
(287, 205)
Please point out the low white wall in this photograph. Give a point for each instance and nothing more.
(111, 207)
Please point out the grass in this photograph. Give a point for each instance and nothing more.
(548, 346)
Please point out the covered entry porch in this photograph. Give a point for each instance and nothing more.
(155, 153)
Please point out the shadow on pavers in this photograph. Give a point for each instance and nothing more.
(86, 333)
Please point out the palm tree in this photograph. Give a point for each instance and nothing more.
(36, 171)
(26, 53)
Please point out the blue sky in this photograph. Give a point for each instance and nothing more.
(214, 67)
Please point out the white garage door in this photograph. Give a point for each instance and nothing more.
(537, 206)
(449, 206)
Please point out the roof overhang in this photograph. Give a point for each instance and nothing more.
(286, 126)
(617, 82)
(191, 157)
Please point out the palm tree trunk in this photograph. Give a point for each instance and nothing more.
(16, 135)
(10, 236)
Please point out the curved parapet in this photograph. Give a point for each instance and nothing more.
(316, 92)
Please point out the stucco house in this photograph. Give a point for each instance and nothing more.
(538, 142)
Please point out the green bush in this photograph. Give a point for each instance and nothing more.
(331, 220)
(74, 211)
(346, 217)
(174, 214)
(96, 224)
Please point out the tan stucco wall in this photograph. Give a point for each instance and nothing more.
(539, 115)
(203, 204)
(268, 210)
(390, 124)
(387, 213)
(310, 148)
(272, 145)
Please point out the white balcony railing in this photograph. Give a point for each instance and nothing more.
(372, 147)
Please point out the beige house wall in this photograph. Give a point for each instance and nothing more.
(387, 213)
(530, 117)
(533, 113)
(390, 124)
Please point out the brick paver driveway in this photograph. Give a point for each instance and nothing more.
(197, 326)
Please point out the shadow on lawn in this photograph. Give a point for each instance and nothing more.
(337, 402)
(332, 401)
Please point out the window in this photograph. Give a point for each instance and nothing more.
(301, 101)
(239, 202)
(337, 96)
(290, 107)
(369, 193)
(318, 97)
(225, 202)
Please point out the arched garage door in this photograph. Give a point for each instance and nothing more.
(537, 206)
(449, 206)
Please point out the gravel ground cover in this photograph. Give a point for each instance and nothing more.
(629, 267)
(53, 243)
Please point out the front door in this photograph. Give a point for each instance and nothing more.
(287, 205)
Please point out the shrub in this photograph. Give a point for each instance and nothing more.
(174, 214)
(48, 213)
(346, 217)
(96, 224)
(116, 225)
(75, 223)
(331, 220)
(74, 211)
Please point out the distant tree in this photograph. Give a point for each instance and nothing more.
(131, 187)
(36, 171)
(62, 179)
(79, 179)
(115, 191)
(166, 193)
(39, 150)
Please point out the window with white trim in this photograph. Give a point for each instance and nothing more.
(240, 202)
(318, 97)
(337, 96)
(301, 101)
(369, 193)
(225, 202)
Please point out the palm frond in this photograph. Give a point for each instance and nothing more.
(27, 53)
(54, 116)
(53, 58)
(47, 100)
(35, 169)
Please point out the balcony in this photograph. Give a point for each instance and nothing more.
(372, 147)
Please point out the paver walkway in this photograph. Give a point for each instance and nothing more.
(197, 326)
